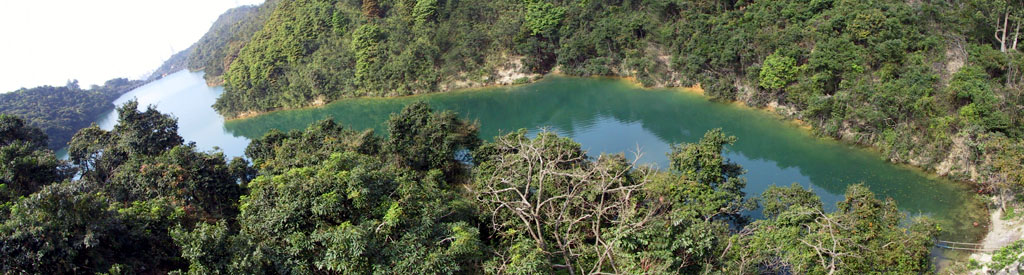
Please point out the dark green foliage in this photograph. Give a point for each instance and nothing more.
(864, 235)
(344, 205)
(98, 153)
(872, 73)
(62, 111)
(143, 158)
(201, 182)
(138, 183)
(70, 228)
(146, 133)
(423, 140)
(354, 214)
(319, 51)
(333, 200)
(703, 162)
(776, 200)
(25, 163)
(276, 152)
(14, 129)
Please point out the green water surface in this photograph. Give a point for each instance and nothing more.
(606, 116)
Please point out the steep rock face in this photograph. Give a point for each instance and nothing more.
(508, 72)
(960, 159)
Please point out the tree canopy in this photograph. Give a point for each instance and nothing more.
(916, 79)
(62, 111)
(431, 197)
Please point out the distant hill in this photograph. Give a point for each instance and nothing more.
(177, 62)
(61, 111)
(220, 45)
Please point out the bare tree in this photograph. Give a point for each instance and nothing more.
(564, 202)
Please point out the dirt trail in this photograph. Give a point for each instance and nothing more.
(1001, 233)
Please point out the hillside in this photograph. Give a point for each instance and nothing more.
(933, 84)
(62, 111)
(177, 62)
(220, 45)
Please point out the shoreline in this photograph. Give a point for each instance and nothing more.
(1001, 233)
(693, 90)
(252, 114)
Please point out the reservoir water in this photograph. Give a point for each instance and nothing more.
(604, 116)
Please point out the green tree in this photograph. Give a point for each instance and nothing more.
(777, 71)
(423, 140)
(776, 200)
(353, 210)
(69, 228)
(864, 235)
(542, 17)
(25, 163)
(425, 11)
(370, 55)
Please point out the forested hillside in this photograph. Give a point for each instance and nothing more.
(220, 45)
(335, 200)
(62, 111)
(936, 84)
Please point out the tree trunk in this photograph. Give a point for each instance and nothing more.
(1016, 35)
(1003, 29)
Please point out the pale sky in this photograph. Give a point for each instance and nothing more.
(48, 42)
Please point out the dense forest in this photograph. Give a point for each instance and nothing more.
(429, 198)
(62, 111)
(936, 84)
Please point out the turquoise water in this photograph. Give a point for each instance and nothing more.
(605, 116)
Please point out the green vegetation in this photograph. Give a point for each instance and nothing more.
(215, 51)
(935, 84)
(430, 198)
(62, 111)
(220, 46)
(1007, 255)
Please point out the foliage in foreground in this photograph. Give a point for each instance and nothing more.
(331, 199)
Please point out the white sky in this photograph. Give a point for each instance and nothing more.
(48, 42)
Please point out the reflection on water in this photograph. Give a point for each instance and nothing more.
(185, 96)
(610, 116)
(605, 116)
